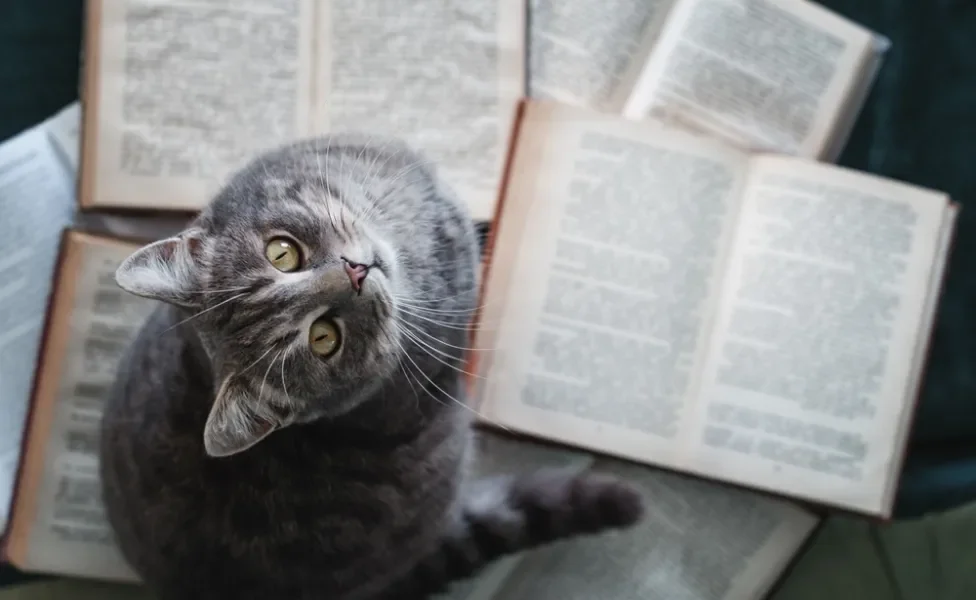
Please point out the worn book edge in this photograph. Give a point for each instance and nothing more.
(91, 79)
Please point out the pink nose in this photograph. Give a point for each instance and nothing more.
(357, 273)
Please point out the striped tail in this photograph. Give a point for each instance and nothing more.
(505, 515)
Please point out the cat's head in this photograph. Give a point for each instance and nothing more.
(320, 272)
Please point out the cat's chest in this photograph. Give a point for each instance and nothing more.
(333, 505)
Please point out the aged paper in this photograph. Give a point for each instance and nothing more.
(607, 270)
(809, 376)
(697, 541)
(444, 76)
(767, 75)
(184, 93)
(69, 534)
(588, 52)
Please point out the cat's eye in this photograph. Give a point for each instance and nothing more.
(324, 337)
(283, 254)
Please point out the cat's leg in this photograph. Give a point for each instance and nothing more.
(507, 514)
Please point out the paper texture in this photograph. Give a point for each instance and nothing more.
(36, 204)
(767, 75)
(188, 91)
(588, 52)
(810, 371)
(658, 296)
(64, 129)
(69, 534)
(606, 273)
(698, 540)
(444, 76)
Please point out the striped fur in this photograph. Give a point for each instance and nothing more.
(236, 463)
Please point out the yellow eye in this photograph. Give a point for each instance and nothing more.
(284, 254)
(324, 337)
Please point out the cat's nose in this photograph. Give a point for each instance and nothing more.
(357, 273)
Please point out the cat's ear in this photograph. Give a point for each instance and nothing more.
(165, 270)
(238, 421)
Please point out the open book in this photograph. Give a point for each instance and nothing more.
(669, 299)
(783, 76)
(178, 94)
(698, 540)
(57, 524)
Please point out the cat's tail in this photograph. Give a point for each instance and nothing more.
(507, 514)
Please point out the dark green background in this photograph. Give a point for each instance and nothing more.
(919, 126)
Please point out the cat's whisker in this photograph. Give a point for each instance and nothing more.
(264, 380)
(209, 292)
(390, 191)
(420, 331)
(439, 311)
(284, 388)
(328, 196)
(445, 324)
(429, 299)
(408, 372)
(430, 350)
(450, 396)
(369, 173)
(206, 310)
(260, 358)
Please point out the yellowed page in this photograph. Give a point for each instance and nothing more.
(444, 76)
(589, 52)
(698, 541)
(811, 372)
(69, 534)
(599, 296)
(768, 75)
(186, 91)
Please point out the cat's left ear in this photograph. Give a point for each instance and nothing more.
(239, 419)
(166, 270)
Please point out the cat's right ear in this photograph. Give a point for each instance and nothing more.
(166, 270)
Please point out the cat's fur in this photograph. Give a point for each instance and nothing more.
(238, 464)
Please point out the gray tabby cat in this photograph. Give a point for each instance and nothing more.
(289, 421)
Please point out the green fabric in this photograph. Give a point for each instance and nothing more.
(931, 558)
(40, 42)
(66, 589)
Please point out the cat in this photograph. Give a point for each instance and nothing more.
(290, 421)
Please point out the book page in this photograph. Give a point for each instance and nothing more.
(64, 130)
(69, 534)
(446, 77)
(698, 541)
(810, 376)
(36, 204)
(767, 75)
(180, 94)
(589, 52)
(600, 292)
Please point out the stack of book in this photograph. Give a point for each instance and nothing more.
(678, 283)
